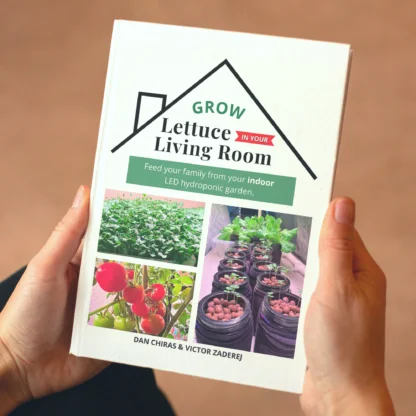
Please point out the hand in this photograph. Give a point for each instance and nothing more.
(36, 323)
(345, 325)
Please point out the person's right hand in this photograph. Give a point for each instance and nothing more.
(345, 325)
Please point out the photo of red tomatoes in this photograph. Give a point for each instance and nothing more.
(141, 299)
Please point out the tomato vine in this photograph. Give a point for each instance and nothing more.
(166, 306)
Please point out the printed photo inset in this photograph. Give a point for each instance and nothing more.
(141, 299)
(254, 270)
(151, 227)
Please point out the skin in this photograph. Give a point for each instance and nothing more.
(345, 325)
(34, 333)
(345, 373)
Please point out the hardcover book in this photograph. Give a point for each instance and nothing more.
(214, 167)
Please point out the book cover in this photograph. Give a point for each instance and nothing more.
(214, 168)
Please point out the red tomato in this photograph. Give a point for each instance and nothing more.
(130, 274)
(158, 292)
(140, 309)
(153, 324)
(133, 294)
(111, 277)
(160, 309)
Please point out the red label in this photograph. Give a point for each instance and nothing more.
(254, 138)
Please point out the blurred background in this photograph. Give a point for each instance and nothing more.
(53, 61)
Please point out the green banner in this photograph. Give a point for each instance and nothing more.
(229, 183)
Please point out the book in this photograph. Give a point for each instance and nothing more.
(214, 167)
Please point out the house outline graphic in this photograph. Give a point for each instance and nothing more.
(166, 107)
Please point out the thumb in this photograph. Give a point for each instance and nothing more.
(62, 245)
(336, 245)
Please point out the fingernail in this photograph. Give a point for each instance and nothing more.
(345, 211)
(78, 197)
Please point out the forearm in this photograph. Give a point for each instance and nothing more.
(370, 401)
(12, 391)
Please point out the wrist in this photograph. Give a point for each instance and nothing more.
(373, 399)
(13, 389)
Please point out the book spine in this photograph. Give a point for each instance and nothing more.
(347, 77)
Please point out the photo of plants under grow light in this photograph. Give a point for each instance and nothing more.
(141, 299)
(252, 281)
(151, 227)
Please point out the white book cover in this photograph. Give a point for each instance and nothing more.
(214, 167)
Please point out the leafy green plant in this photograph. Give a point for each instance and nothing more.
(254, 228)
(234, 276)
(232, 290)
(273, 234)
(273, 267)
(233, 230)
(148, 228)
(242, 244)
(265, 229)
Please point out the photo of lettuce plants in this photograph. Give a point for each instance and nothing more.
(254, 270)
(151, 227)
(141, 299)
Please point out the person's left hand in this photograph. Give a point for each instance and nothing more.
(36, 323)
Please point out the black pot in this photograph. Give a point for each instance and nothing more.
(231, 252)
(244, 248)
(261, 289)
(244, 288)
(225, 266)
(236, 333)
(256, 253)
(276, 253)
(276, 334)
(255, 241)
(255, 271)
(260, 248)
(254, 245)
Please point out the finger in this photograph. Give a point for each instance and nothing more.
(364, 265)
(76, 261)
(362, 260)
(336, 245)
(62, 245)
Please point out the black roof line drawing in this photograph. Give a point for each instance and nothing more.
(165, 108)
(139, 103)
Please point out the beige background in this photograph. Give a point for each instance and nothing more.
(53, 58)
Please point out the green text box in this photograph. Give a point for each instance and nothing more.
(211, 180)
